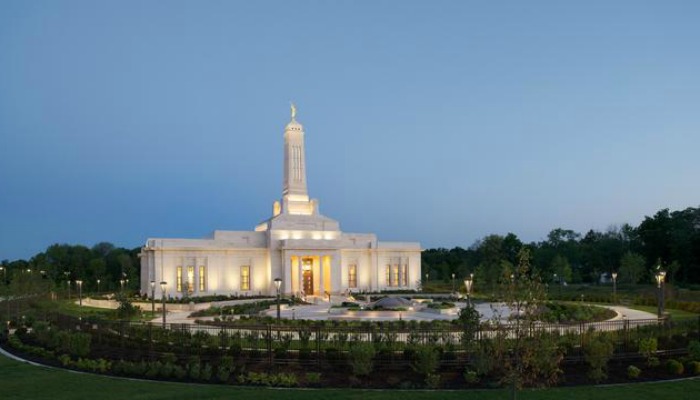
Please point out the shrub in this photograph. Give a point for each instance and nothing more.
(432, 381)
(166, 370)
(694, 350)
(194, 371)
(205, 373)
(694, 367)
(471, 377)
(226, 362)
(633, 372)
(179, 372)
(65, 360)
(597, 354)
(126, 310)
(360, 357)
(286, 380)
(541, 358)
(118, 367)
(425, 360)
(153, 369)
(485, 359)
(647, 348)
(674, 367)
(223, 374)
(169, 358)
(313, 378)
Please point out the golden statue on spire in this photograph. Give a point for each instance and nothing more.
(294, 110)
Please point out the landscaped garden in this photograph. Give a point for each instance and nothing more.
(22, 381)
(537, 343)
(543, 332)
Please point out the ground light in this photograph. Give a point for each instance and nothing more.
(468, 285)
(660, 276)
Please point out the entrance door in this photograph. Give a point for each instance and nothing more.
(307, 276)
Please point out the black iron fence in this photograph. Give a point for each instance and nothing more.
(320, 345)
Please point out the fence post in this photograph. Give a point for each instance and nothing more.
(318, 345)
(580, 335)
(150, 339)
(269, 344)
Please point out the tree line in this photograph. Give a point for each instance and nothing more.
(668, 240)
(61, 263)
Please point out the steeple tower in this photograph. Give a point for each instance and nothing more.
(295, 198)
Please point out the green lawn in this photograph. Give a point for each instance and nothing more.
(23, 381)
(672, 312)
(71, 308)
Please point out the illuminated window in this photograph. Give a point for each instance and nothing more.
(190, 278)
(179, 279)
(202, 278)
(388, 275)
(395, 275)
(245, 277)
(404, 275)
(352, 276)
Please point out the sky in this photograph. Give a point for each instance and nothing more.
(431, 121)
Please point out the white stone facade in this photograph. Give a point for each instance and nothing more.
(305, 249)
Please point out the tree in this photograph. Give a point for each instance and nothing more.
(631, 268)
(534, 358)
(561, 267)
(97, 270)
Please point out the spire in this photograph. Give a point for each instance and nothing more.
(294, 188)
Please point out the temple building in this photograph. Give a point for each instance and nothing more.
(305, 249)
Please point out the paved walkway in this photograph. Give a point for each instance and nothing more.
(321, 310)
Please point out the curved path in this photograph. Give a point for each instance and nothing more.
(322, 311)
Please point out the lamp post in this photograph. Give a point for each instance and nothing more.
(98, 286)
(80, 298)
(660, 276)
(468, 285)
(67, 274)
(153, 298)
(7, 300)
(163, 287)
(614, 278)
(121, 283)
(278, 284)
(453, 282)
(426, 280)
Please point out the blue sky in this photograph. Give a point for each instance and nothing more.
(439, 122)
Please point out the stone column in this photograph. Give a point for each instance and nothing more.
(336, 271)
(286, 273)
(300, 284)
(321, 283)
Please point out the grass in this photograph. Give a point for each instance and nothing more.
(23, 381)
(71, 308)
(678, 314)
